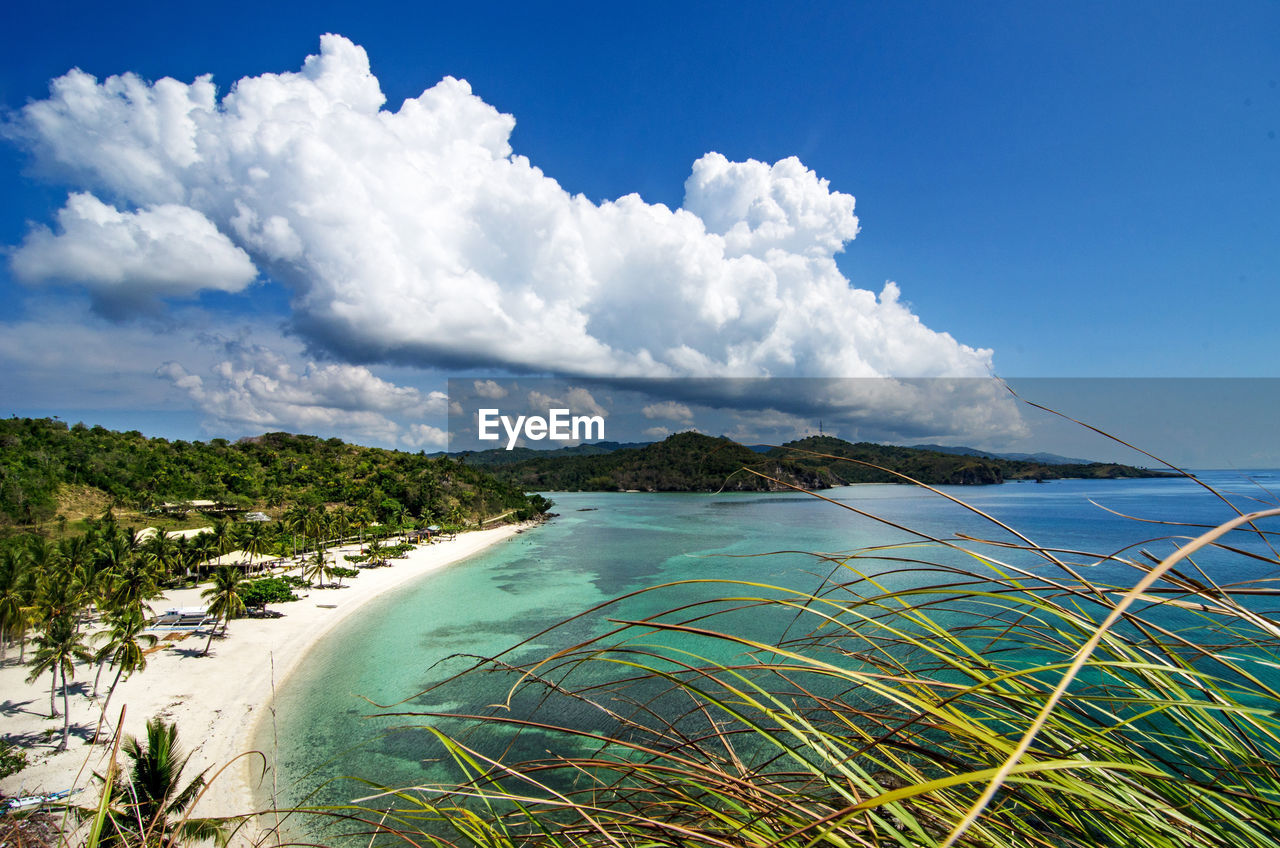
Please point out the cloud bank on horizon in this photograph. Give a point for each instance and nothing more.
(419, 237)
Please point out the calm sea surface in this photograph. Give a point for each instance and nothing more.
(328, 728)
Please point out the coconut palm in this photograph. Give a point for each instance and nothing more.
(317, 567)
(255, 539)
(114, 550)
(58, 649)
(133, 584)
(295, 519)
(222, 534)
(361, 518)
(205, 548)
(185, 554)
(341, 523)
(161, 551)
(14, 597)
(149, 805)
(317, 524)
(224, 598)
(125, 646)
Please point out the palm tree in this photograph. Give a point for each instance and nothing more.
(318, 567)
(295, 519)
(133, 583)
(222, 536)
(184, 554)
(14, 596)
(125, 646)
(205, 548)
(317, 523)
(58, 649)
(149, 809)
(360, 518)
(224, 599)
(255, 539)
(161, 551)
(341, 523)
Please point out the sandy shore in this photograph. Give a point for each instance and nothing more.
(216, 700)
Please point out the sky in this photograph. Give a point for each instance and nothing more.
(225, 219)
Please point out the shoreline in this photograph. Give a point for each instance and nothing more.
(217, 701)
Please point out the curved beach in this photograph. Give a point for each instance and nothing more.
(218, 700)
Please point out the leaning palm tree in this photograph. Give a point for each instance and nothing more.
(58, 649)
(150, 807)
(224, 599)
(125, 646)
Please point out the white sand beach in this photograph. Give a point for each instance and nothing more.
(216, 700)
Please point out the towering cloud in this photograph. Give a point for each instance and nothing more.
(417, 236)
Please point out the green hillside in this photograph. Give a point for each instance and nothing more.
(684, 462)
(46, 466)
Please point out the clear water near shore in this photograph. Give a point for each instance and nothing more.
(329, 726)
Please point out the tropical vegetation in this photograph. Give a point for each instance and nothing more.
(148, 803)
(223, 595)
(44, 463)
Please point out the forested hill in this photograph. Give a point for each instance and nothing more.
(685, 462)
(691, 462)
(42, 459)
(935, 467)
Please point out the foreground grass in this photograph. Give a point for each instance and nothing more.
(950, 692)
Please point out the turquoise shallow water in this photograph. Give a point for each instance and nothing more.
(602, 546)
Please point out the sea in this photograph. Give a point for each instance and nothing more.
(352, 718)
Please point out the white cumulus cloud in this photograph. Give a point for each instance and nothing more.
(161, 250)
(489, 389)
(670, 410)
(418, 236)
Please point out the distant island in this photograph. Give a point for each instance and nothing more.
(693, 462)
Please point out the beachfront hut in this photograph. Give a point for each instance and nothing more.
(242, 559)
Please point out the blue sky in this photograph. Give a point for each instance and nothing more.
(1063, 190)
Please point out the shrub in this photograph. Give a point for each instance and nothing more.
(267, 590)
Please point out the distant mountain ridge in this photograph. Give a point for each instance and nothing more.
(1042, 457)
(502, 456)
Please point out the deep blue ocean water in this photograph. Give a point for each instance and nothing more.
(601, 546)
